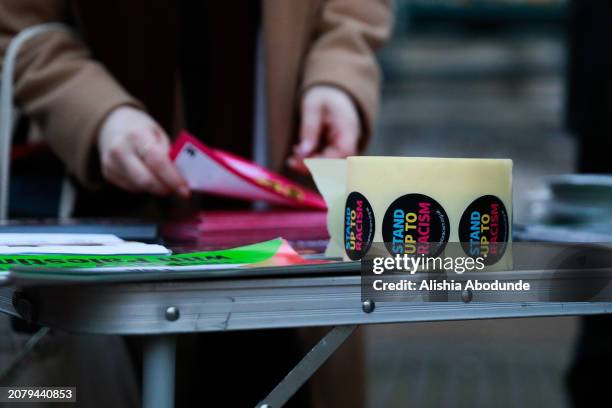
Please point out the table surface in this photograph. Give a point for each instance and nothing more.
(294, 296)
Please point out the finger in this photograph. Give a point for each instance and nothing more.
(310, 128)
(164, 140)
(297, 164)
(140, 176)
(343, 137)
(334, 151)
(113, 170)
(152, 148)
(119, 180)
(157, 161)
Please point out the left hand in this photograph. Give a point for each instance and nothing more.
(330, 127)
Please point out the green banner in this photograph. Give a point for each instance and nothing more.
(243, 255)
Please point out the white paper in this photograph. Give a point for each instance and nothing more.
(40, 239)
(74, 244)
(330, 177)
(125, 248)
(203, 173)
(143, 268)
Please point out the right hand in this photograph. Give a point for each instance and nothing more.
(134, 154)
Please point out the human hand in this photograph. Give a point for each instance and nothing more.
(134, 154)
(330, 126)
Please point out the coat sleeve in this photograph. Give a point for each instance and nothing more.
(342, 53)
(57, 84)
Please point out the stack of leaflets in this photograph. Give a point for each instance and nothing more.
(273, 253)
(74, 244)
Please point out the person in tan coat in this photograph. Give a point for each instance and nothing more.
(322, 83)
(108, 98)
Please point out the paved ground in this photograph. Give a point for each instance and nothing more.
(478, 97)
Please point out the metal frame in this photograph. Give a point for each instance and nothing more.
(162, 309)
(158, 371)
(307, 366)
(247, 304)
(7, 110)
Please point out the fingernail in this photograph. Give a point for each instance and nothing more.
(184, 191)
(305, 148)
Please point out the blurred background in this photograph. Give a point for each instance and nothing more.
(476, 78)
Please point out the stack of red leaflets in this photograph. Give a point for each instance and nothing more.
(305, 230)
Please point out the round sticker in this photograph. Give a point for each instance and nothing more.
(358, 226)
(483, 229)
(415, 224)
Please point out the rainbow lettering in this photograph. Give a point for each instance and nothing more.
(354, 227)
(411, 231)
(484, 232)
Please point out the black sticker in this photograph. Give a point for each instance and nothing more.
(483, 229)
(415, 224)
(358, 226)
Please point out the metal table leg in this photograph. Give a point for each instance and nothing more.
(158, 367)
(307, 367)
